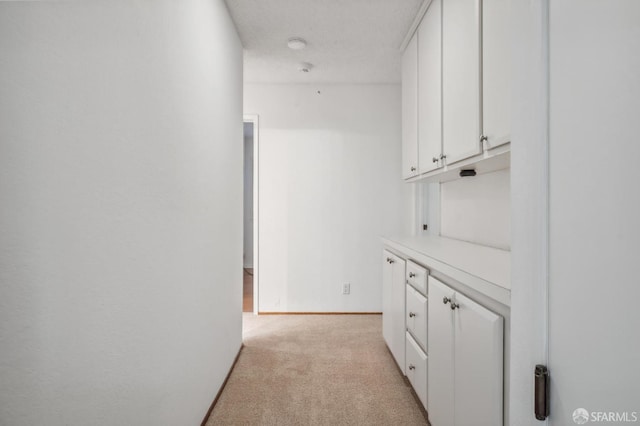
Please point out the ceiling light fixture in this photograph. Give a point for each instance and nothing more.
(305, 66)
(296, 43)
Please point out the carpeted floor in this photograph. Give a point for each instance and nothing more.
(316, 370)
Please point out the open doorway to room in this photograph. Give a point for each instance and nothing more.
(250, 222)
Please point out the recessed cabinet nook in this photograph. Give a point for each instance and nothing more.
(446, 302)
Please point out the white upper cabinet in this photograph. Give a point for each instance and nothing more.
(496, 75)
(456, 89)
(461, 79)
(410, 109)
(430, 88)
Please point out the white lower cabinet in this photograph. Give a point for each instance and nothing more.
(417, 368)
(393, 305)
(465, 378)
(417, 316)
(417, 276)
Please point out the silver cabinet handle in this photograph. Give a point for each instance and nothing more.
(411, 275)
(446, 300)
(412, 367)
(454, 306)
(411, 315)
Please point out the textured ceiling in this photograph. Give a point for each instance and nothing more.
(349, 41)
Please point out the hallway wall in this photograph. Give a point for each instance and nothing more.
(120, 210)
(329, 187)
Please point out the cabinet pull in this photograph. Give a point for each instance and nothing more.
(411, 315)
(411, 275)
(454, 306)
(446, 300)
(412, 367)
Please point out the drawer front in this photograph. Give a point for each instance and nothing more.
(417, 369)
(416, 315)
(417, 276)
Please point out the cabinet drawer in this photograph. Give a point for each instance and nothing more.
(417, 276)
(417, 316)
(417, 368)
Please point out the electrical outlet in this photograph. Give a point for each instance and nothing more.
(346, 288)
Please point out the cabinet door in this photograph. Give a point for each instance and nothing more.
(416, 308)
(430, 88)
(410, 109)
(417, 276)
(478, 364)
(397, 312)
(460, 79)
(417, 368)
(387, 285)
(393, 305)
(440, 334)
(496, 75)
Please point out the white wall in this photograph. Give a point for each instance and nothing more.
(120, 210)
(574, 285)
(594, 206)
(330, 185)
(477, 209)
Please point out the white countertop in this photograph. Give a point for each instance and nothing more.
(485, 269)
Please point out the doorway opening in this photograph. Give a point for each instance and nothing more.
(250, 219)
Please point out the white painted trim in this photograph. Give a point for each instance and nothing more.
(545, 180)
(255, 120)
(529, 205)
(414, 25)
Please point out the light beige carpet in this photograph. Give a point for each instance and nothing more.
(316, 370)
